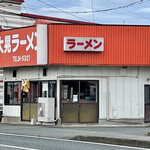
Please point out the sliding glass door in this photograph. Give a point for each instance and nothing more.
(79, 101)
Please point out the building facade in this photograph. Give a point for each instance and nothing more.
(96, 73)
(11, 17)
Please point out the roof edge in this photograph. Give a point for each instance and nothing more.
(55, 19)
(13, 1)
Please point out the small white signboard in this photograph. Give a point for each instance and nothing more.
(45, 87)
(75, 98)
(92, 44)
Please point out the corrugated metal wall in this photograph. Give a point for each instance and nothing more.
(123, 45)
(120, 93)
(1, 86)
(123, 97)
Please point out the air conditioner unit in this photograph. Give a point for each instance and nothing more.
(46, 109)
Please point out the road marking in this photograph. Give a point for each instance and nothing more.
(73, 141)
(16, 147)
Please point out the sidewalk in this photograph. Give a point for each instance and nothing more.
(135, 136)
(117, 139)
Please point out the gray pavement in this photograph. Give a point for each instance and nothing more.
(135, 136)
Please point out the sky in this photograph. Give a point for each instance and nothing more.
(127, 12)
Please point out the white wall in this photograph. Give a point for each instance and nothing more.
(1, 86)
(11, 111)
(103, 99)
(123, 97)
(10, 20)
(121, 90)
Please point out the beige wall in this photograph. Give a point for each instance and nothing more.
(121, 91)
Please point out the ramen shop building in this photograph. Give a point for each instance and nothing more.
(95, 73)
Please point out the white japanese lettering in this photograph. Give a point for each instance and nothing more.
(30, 40)
(11, 43)
(1, 42)
(7, 45)
(15, 40)
(21, 58)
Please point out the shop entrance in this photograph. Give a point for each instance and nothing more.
(29, 102)
(30, 99)
(79, 101)
(147, 103)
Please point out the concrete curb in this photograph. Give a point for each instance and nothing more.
(115, 141)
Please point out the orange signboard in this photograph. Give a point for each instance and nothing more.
(18, 47)
(123, 45)
(75, 45)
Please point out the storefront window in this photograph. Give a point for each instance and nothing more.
(37, 89)
(34, 92)
(88, 91)
(25, 97)
(49, 89)
(52, 89)
(13, 93)
(44, 89)
(40, 89)
(70, 91)
(79, 91)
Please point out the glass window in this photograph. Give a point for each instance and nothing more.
(52, 89)
(13, 93)
(79, 91)
(44, 89)
(88, 91)
(25, 97)
(147, 94)
(37, 89)
(70, 91)
(34, 92)
(49, 89)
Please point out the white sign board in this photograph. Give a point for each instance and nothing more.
(75, 98)
(45, 87)
(92, 44)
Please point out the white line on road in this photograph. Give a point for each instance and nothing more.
(16, 147)
(73, 141)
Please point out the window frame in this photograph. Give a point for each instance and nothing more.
(5, 93)
(79, 95)
(40, 92)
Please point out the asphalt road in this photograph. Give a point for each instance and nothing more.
(141, 131)
(14, 141)
(69, 132)
(51, 138)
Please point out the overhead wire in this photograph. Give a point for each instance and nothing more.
(125, 6)
(26, 11)
(92, 10)
(61, 10)
(133, 13)
(25, 8)
(113, 8)
(138, 2)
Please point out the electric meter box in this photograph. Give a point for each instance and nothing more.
(46, 109)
